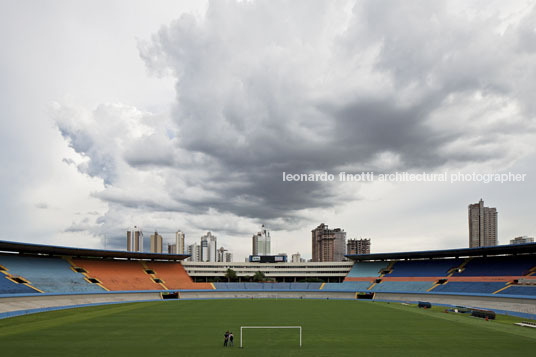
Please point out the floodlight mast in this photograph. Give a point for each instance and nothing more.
(263, 327)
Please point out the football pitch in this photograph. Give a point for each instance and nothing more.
(196, 328)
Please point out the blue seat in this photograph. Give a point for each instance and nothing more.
(367, 269)
(313, 286)
(519, 290)
(220, 286)
(9, 287)
(254, 286)
(305, 286)
(230, 286)
(48, 274)
(348, 286)
(499, 266)
(403, 286)
(267, 286)
(421, 268)
(469, 287)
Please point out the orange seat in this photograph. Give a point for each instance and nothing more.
(118, 275)
(174, 276)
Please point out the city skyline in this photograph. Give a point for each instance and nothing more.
(188, 114)
(482, 231)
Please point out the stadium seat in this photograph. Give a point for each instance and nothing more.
(415, 268)
(367, 269)
(348, 286)
(174, 276)
(118, 275)
(519, 290)
(48, 274)
(469, 287)
(498, 266)
(477, 275)
(9, 287)
(230, 286)
(403, 286)
(313, 286)
(267, 286)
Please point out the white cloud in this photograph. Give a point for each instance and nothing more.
(245, 90)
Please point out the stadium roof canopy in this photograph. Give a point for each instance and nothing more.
(512, 249)
(40, 249)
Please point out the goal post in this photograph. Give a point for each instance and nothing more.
(267, 327)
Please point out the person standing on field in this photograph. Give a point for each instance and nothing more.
(231, 338)
(226, 338)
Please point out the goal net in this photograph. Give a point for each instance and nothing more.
(242, 328)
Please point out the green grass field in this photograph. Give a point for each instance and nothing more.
(196, 328)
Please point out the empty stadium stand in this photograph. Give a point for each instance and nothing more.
(23, 275)
(518, 290)
(305, 286)
(118, 275)
(8, 286)
(348, 286)
(367, 269)
(471, 275)
(33, 269)
(414, 268)
(267, 286)
(498, 266)
(47, 274)
(470, 287)
(402, 286)
(173, 276)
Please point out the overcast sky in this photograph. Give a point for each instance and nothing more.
(184, 114)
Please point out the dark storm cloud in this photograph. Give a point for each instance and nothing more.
(271, 87)
(371, 127)
(265, 196)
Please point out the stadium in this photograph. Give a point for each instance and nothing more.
(61, 300)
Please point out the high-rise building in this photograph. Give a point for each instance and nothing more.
(172, 249)
(204, 249)
(221, 254)
(212, 249)
(224, 256)
(179, 242)
(340, 245)
(156, 243)
(195, 251)
(482, 225)
(296, 258)
(329, 245)
(522, 240)
(134, 240)
(208, 248)
(261, 242)
(358, 246)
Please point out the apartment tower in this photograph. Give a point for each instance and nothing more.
(482, 225)
(156, 243)
(134, 240)
(261, 242)
(358, 246)
(208, 248)
(329, 245)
